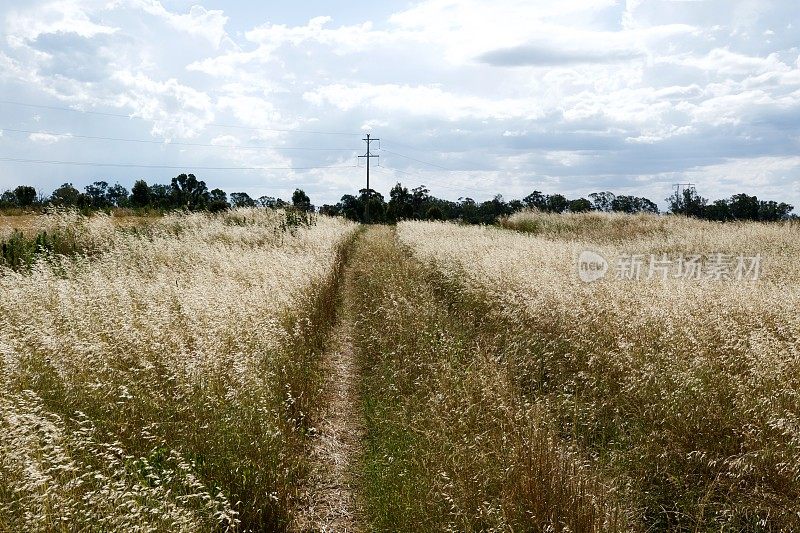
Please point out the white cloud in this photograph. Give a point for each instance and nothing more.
(255, 112)
(723, 61)
(174, 108)
(768, 177)
(343, 38)
(47, 138)
(269, 38)
(62, 16)
(422, 100)
(208, 24)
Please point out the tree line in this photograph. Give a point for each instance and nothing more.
(369, 206)
(418, 203)
(738, 207)
(183, 192)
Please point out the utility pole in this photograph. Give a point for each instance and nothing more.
(678, 195)
(679, 186)
(368, 156)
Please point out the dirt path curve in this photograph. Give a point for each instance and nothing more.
(328, 500)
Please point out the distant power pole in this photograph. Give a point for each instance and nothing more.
(679, 186)
(368, 156)
(678, 195)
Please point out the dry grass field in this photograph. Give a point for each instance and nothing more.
(164, 382)
(30, 223)
(684, 392)
(259, 371)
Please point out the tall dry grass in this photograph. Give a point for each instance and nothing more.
(687, 392)
(165, 382)
(450, 444)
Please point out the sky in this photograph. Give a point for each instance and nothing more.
(470, 98)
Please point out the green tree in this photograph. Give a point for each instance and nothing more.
(351, 207)
(688, 203)
(217, 201)
(301, 201)
(719, 210)
(419, 199)
(118, 196)
(580, 205)
(242, 199)
(330, 210)
(467, 210)
(434, 213)
(490, 210)
(8, 199)
(557, 203)
(743, 207)
(161, 196)
(633, 204)
(373, 206)
(602, 200)
(66, 196)
(516, 205)
(267, 201)
(189, 192)
(25, 195)
(536, 200)
(97, 194)
(401, 204)
(772, 211)
(140, 194)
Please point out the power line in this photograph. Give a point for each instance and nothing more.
(168, 167)
(432, 164)
(414, 148)
(430, 180)
(429, 163)
(417, 160)
(121, 115)
(151, 141)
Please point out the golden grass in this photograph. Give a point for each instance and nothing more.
(685, 391)
(164, 376)
(451, 445)
(166, 382)
(23, 223)
(30, 223)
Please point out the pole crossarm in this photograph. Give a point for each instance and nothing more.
(369, 155)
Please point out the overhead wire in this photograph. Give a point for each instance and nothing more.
(430, 180)
(121, 115)
(434, 165)
(417, 160)
(170, 167)
(175, 143)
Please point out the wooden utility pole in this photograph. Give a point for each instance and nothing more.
(368, 156)
(680, 186)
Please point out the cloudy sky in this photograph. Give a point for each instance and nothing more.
(471, 98)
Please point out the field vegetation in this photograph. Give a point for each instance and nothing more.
(451, 441)
(683, 392)
(162, 378)
(193, 372)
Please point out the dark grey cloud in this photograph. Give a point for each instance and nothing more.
(544, 56)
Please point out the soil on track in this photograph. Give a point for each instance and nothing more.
(328, 501)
